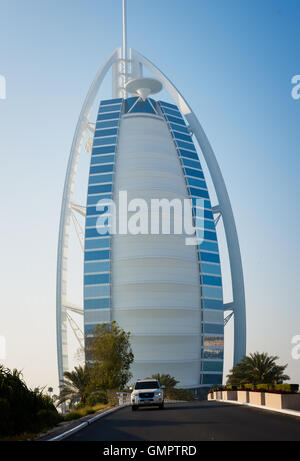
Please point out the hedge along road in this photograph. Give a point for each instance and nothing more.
(193, 421)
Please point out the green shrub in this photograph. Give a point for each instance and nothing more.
(48, 418)
(264, 387)
(97, 397)
(221, 388)
(21, 409)
(179, 394)
(275, 388)
(90, 411)
(288, 388)
(72, 415)
(112, 397)
(83, 411)
(249, 387)
(6, 422)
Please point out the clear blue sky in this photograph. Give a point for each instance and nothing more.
(234, 61)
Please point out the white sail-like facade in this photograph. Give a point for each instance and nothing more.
(155, 278)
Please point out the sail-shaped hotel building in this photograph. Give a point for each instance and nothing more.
(167, 293)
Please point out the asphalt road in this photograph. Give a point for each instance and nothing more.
(198, 421)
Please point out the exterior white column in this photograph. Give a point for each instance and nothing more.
(117, 80)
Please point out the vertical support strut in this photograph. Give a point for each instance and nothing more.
(124, 55)
(125, 31)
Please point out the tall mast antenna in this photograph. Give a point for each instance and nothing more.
(125, 40)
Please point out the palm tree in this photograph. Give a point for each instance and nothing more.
(165, 380)
(257, 369)
(74, 385)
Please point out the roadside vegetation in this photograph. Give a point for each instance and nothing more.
(258, 372)
(257, 368)
(25, 413)
(85, 411)
(171, 391)
(107, 370)
(270, 388)
(22, 409)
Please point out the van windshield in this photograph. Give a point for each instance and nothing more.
(147, 385)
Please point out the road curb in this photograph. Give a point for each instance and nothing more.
(81, 426)
(261, 407)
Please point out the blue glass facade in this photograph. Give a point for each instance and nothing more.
(97, 276)
(97, 279)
